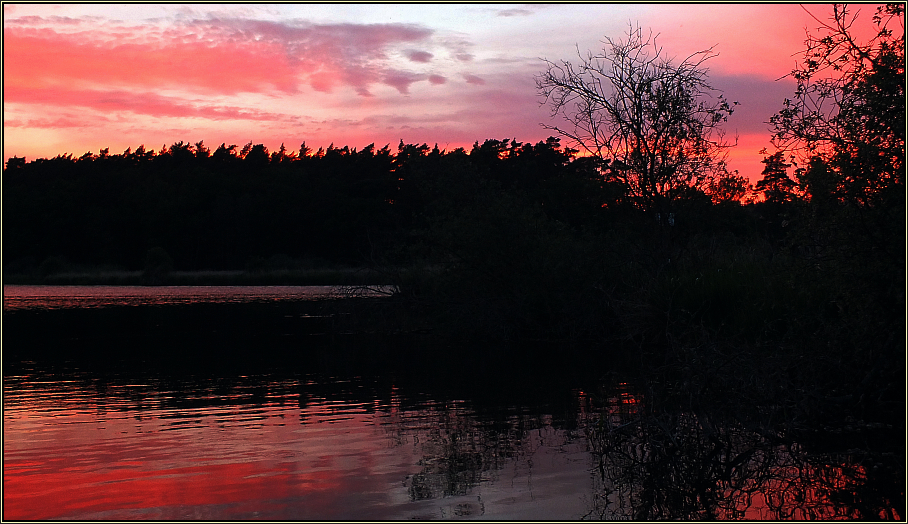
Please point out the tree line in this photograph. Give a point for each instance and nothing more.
(228, 207)
(223, 209)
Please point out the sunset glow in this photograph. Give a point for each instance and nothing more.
(79, 78)
(435, 261)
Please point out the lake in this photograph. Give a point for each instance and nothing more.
(79, 445)
(43, 297)
(220, 403)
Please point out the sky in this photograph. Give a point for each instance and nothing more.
(81, 77)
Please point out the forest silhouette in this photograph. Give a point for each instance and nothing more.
(232, 209)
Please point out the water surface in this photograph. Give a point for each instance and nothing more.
(243, 403)
(80, 445)
(23, 297)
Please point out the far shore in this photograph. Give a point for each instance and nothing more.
(289, 277)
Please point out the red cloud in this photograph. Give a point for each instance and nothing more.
(211, 56)
(332, 54)
(48, 123)
(140, 103)
(437, 79)
(54, 60)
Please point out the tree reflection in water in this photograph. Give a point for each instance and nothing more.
(461, 447)
(656, 463)
(459, 451)
(457, 455)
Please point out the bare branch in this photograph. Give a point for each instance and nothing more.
(654, 121)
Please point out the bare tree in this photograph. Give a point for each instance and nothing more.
(655, 124)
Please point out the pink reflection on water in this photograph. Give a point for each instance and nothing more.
(102, 461)
(58, 297)
(134, 451)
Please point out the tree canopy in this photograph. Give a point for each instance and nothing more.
(849, 105)
(220, 209)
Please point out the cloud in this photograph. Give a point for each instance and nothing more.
(49, 123)
(473, 79)
(460, 48)
(144, 103)
(525, 10)
(347, 41)
(226, 56)
(418, 56)
(758, 97)
(437, 79)
(35, 20)
(514, 12)
(467, 114)
(401, 80)
(49, 59)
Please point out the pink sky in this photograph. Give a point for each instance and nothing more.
(79, 78)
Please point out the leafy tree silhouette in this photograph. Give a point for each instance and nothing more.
(849, 105)
(15, 163)
(729, 187)
(201, 151)
(224, 153)
(257, 157)
(776, 184)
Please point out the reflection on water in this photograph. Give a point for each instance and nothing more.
(57, 297)
(679, 465)
(82, 446)
(239, 411)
